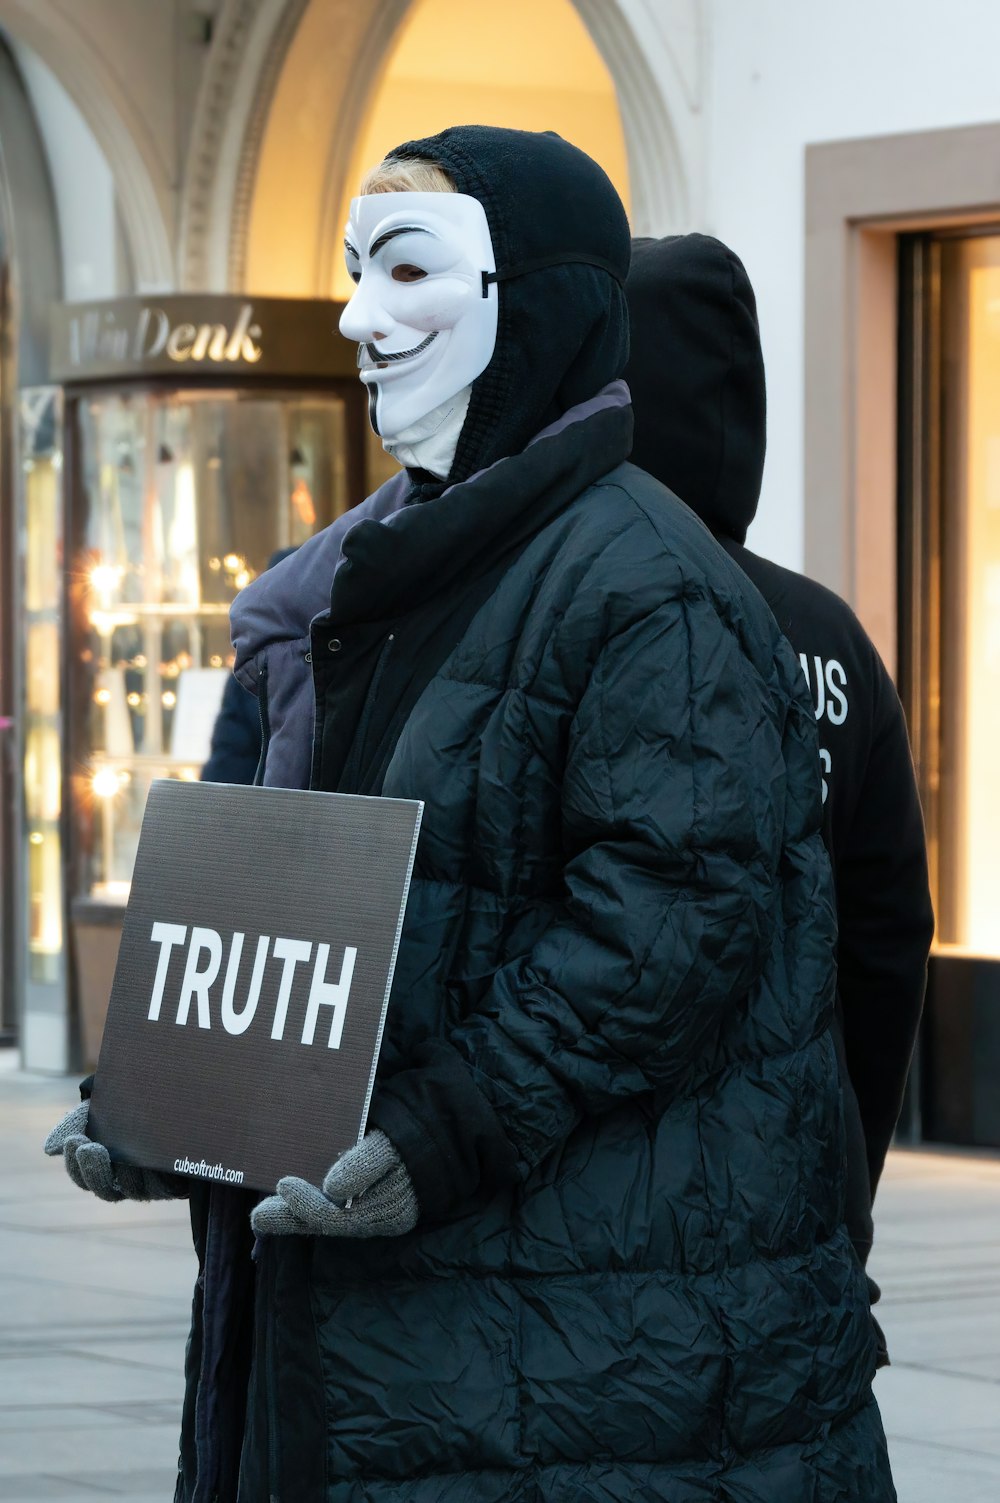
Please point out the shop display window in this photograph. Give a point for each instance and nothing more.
(179, 502)
(949, 657)
(950, 571)
(969, 836)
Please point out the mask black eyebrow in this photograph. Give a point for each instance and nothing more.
(404, 229)
(349, 248)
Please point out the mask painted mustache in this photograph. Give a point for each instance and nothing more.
(382, 358)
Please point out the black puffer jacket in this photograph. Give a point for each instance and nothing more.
(607, 1060)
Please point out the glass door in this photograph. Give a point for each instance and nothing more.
(969, 838)
(949, 520)
(950, 525)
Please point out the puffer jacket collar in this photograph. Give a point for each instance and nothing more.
(463, 530)
(282, 604)
(397, 549)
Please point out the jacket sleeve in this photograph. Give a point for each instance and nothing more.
(886, 925)
(672, 802)
(236, 738)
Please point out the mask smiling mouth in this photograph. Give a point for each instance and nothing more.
(382, 359)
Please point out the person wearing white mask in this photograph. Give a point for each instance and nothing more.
(592, 1245)
(424, 322)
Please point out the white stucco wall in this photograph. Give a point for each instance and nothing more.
(81, 183)
(782, 74)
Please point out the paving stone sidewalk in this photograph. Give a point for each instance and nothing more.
(95, 1302)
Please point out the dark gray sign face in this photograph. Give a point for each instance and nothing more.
(192, 335)
(252, 980)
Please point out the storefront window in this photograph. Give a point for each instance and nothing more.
(181, 500)
(951, 518)
(971, 709)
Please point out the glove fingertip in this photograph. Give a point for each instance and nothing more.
(94, 1164)
(73, 1172)
(73, 1122)
(332, 1181)
(273, 1218)
(360, 1167)
(90, 1151)
(291, 1185)
(306, 1202)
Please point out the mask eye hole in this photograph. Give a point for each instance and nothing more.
(355, 276)
(405, 272)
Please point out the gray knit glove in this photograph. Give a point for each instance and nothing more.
(371, 1176)
(89, 1164)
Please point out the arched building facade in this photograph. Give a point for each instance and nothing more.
(174, 167)
(205, 149)
(275, 94)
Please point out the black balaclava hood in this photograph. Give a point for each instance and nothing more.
(562, 330)
(696, 374)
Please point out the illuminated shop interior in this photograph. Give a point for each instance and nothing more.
(535, 67)
(951, 574)
(949, 652)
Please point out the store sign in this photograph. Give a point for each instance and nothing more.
(199, 334)
(252, 981)
(96, 335)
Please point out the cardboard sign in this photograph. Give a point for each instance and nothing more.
(252, 981)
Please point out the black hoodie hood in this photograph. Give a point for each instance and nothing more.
(562, 332)
(696, 373)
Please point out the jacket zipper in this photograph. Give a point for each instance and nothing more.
(265, 724)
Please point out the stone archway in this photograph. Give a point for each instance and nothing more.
(145, 194)
(284, 92)
(652, 50)
(250, 44)
(288, 194)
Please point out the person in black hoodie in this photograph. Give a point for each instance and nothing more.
(592, 1246)
(696, 375)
